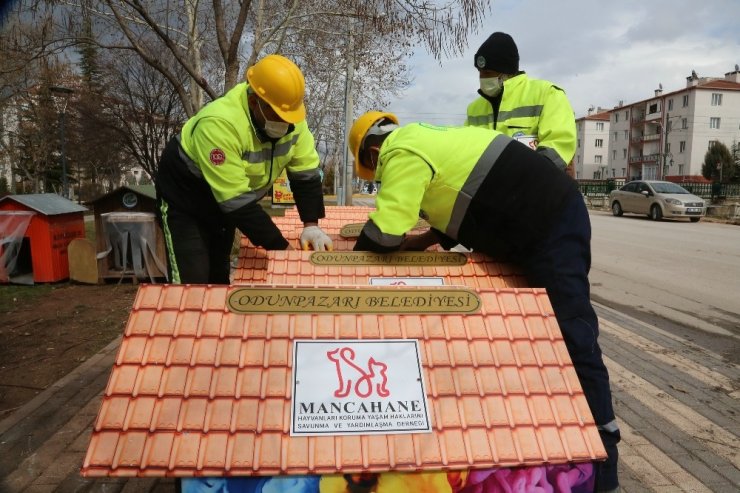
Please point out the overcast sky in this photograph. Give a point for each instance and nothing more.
(600, 52)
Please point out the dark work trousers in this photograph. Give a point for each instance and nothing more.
(561, 265)
(198, 251)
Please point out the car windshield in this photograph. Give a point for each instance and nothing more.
(668, 187)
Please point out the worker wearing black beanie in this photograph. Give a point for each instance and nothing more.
(535, 112)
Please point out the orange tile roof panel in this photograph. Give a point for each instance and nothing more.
(287, 267)
(205, 402)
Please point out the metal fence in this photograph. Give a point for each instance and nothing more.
(601, 188)
(598, 188)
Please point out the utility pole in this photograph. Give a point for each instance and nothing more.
(348, 110)
(666, 131)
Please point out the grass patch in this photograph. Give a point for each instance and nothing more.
(13, 296)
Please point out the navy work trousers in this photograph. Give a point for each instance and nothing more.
(561, 264)
(198, 251)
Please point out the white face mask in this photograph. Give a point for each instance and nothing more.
(273, 129)
(491, 86)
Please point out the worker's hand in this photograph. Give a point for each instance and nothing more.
(419, 242)
(314, 237)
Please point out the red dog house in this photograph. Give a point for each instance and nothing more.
(55, 222)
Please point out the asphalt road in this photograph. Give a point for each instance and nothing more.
(687, 273)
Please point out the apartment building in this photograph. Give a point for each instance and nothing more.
(592, 131)
(666, 136)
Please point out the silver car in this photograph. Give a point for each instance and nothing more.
(657, 199)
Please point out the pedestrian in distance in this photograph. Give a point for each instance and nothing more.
(213, 173)
(533, 111)
(490, 193)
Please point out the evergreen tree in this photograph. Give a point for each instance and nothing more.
(719, 164)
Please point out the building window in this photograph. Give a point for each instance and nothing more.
(670, 105)
(614, 155)
(624, 154)
(599, 143)
(680, 169)
(616, 134)
(669, 126)
(682, 146)
(653, 108)
(685, 100)
(684, 123)
(626, 135)
(711, 143)
(599, 125)
(626, 116)
(616, 117)
(716, 99)
(597, 159)
(579, 143)
(714, 123)
(614, 172)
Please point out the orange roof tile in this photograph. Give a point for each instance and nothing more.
(339, 212)
(336, 218)
(199, 390)
(293, 267)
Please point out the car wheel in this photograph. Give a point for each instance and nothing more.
(694, 219)
(656, 213)
(617, 209)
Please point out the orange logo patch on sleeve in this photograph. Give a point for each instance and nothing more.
(217, 156)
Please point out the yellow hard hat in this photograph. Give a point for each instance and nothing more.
(357, 135)
(280, 83)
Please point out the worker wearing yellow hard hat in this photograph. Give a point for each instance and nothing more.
(226, 158)
(493, 194)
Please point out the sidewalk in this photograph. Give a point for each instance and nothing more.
(677, 406)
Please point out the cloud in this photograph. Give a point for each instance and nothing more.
(599, 53)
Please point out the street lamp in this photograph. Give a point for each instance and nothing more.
(61, 97)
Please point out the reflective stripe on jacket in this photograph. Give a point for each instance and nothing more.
(531, 107)
(221, 146)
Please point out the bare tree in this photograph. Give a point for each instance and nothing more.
(32, 142)
(145, 109)
(213, 41)
(27, 39)
(201, 48)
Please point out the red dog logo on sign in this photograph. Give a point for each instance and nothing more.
(353, 377)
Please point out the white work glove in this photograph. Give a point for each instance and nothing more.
(313, 236)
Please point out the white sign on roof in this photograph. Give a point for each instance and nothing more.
(358, 387)
(407, 281)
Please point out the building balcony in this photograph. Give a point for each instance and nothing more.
(648, 158)
(644, 138)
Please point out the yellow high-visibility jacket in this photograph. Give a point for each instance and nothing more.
(219, 166)
(475, 186)
(222, 147)
(534, 111)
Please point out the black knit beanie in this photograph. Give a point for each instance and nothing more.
(498, 53)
